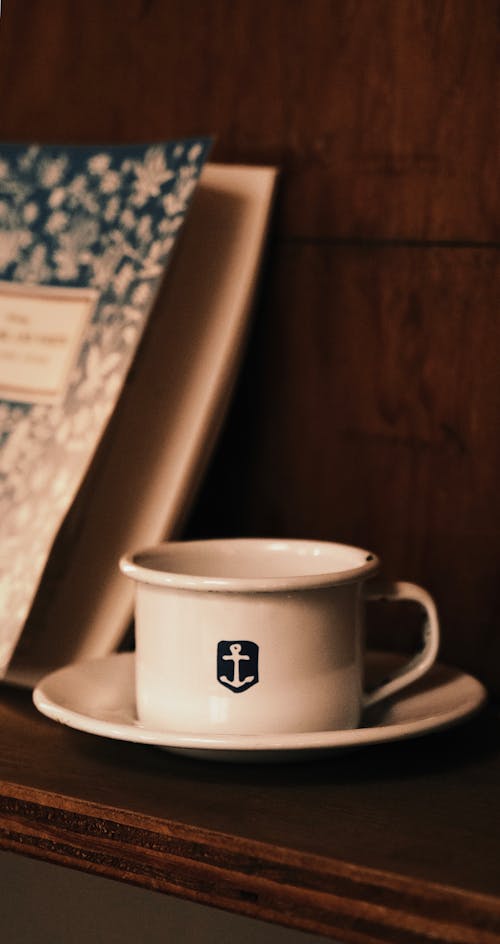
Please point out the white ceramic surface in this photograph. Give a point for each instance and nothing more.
(255, 636)
(98, 697)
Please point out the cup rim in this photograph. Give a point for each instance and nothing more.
(140, 566)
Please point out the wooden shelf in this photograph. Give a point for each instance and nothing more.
(398, 843)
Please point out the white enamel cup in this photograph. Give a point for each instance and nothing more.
(255, 636)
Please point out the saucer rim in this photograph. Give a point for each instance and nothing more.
(135, 732)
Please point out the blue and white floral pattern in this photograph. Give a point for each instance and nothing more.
(90, 217)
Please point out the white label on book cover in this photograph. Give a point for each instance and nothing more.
(41, 331)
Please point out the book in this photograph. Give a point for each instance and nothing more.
(146, 469)
(85, 237)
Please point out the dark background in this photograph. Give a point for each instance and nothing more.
(367, 409)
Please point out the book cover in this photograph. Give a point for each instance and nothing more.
(85, 237)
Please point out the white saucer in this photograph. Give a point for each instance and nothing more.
(98, 697)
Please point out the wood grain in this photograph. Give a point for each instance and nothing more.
(349, 847)
(370, 406)
(383, 115)
(368, 413)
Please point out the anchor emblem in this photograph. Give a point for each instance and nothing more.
(237, 664)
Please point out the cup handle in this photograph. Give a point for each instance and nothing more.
(420, 663)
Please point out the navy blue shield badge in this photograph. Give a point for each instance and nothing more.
(237, 664)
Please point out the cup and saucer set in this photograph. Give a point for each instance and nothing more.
(253, 650)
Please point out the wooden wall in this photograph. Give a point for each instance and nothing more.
(368, 407)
